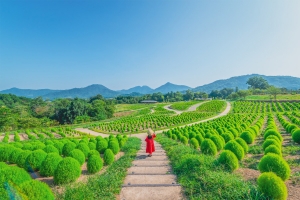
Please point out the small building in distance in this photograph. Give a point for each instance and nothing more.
(148, 101)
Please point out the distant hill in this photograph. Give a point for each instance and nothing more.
(28, 92)
(138, 89)
(168, 87)
(288, 82)
(85, 92)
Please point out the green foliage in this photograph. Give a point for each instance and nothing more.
(114, 146)
(92, 145)
(248, 137)
(35, 159)
(102, 145)
(208, 147)
(36, 190)
(272, 186)
(218, 142)
(94, 164)
(68, 147)
(14, 174)
(78, 155)
(14, 155)
(273, 132)
(274, 163)
(227, 136)
(108, 157)
(273, 149)
(243, 144)
(194, 143)
(291, 128)
(184, 140)
(50, 163)
(296, 136)
(229, 160)
(51, 149)
(59, 146)
(269, 142)
(200, 138)
(235, 148)
(5, 152)
(93, 152)
(22, 158)
(68, 170)
(84, 148)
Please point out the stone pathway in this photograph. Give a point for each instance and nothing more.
(150, 177)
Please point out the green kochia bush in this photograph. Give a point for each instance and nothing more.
(22, 158)
(68, 170)
(84, 148)
(218, 142)
(272, 186)
(274, 163)
(94, 152)
(49, 165)
(273, 149)
(108, 157)
(94, 164)
(184, 140)
(273, 132)
(208, 147)
(227, 136)
(59, 146)
(296, 136)
(102, 146)
(194, 143)
(200, 138)
(243, 144)
(78, 155)
(14, 156)
(13, 174)
(92, 145)
(114, 146)
(68, 147)
(51, 149)
(5, 152)
(35, 190)
(236, 148)
(229, 160)
(248, 137)
(35, 159)
(269, 142)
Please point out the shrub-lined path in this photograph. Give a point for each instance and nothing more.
(192, 108)
(151, 177)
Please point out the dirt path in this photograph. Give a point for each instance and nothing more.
(194, 107)
(168, 107)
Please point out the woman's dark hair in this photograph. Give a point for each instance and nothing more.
(149, 136)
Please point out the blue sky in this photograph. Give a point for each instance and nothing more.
(124, 43)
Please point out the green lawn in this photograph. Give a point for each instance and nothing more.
(183, 105)
(126, 107)
(279, 97)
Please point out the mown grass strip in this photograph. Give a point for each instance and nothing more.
(107, 185)
(202, 178)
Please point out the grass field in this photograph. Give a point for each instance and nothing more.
(127, 107)
(184, 105)
(279, 97)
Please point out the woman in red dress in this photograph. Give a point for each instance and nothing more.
(150, 142)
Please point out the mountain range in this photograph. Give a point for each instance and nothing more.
(288, 82)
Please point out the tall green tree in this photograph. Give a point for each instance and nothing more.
(274, 91)
(258, 82)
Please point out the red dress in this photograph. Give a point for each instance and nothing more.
(150, 144)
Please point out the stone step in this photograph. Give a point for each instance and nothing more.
(148, 162)
(145, 157)
(150, 170)
(153, 154)
(153, 193)
(151, 185)
(150, 179)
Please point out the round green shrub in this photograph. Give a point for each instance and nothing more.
(194, 143)
(94, 152)
(122, 142)
(218, 142)
(14, 174)
(274, 137)
(273, 132)
(296, 136)
(275, 163)
(114, 146)
(94, 164)
(68, 147)
(68, 170)
(234, 132)
(59, 146)
(102, 145)
(75, 141)
(22, 158)
(78, 155)
(273, 149)
(49, 165)
(243, 144)
(5, 152)
(13, 158)
(27, 146)
(227, 136)
(208, 147)
(236, 148)
(35, 190)
(51, 149)
(82, 146)
(35, 159)
(92, 145)
(272, 186)
(247, 137)
(49, 142)
(38, 145)
(184, 140)
(291, 127)
(108, 157)
(200, 138)
(269, 142)
(93, 140)
(174, 137)
(229, 160)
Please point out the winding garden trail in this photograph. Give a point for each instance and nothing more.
(190, 109)
(168, 107)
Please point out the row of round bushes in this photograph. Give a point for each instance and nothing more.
(275, 170)
(291, 128)
(16, 183)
